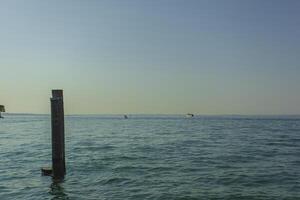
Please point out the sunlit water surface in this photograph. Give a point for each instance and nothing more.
(153, 157)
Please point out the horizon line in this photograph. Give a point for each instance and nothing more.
(197, 114)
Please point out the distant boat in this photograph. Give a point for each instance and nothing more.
(190, 115)
(2, 109)
(125, 117)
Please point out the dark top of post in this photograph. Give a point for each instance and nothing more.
(57, 93)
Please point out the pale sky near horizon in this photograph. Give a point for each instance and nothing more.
(140, 56)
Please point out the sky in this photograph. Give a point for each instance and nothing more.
(151, 57)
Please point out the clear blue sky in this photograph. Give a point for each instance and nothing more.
(140, 56)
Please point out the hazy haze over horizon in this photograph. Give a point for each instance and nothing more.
(130, 56)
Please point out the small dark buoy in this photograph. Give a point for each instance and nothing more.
(46, 171)
(125, 117)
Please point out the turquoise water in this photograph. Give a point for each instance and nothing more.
(153, 157)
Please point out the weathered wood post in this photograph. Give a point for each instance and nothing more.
(58, 134)
(58, 169)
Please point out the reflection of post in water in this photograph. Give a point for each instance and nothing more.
(57, 190)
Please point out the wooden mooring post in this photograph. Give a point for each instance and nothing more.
(58, 170)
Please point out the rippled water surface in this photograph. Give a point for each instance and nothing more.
(153, 157)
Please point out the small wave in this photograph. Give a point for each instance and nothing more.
(160, 168)
(94, 148)
(115, 180)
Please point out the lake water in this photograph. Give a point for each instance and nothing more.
(153, 157)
